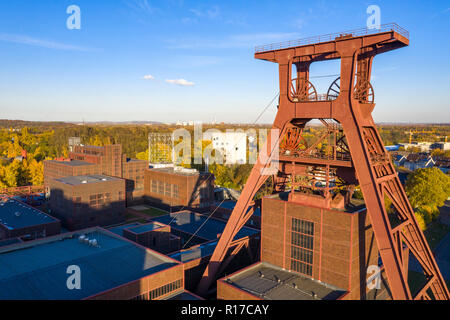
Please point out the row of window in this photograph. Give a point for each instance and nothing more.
(301, 267)
(302, 246)
(302, 240)
(303, 226)
(161, 291)
(164, 188)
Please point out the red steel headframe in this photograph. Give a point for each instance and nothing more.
(351, 106)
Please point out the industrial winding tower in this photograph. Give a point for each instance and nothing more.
(355, 155)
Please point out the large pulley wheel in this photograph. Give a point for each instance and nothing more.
(293, 141)
(364, 92)
(302, 90)
(334, 89)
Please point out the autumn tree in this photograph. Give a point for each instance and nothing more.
(427, 189)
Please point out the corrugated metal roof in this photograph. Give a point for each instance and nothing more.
(190, 222)
(40, 271)
(273, 283)
(17, 215)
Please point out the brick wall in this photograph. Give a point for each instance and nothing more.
(343, 243)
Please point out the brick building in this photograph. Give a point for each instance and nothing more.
(54, 169)
(111, 268)
(324, 252)
(153, 235)
(133, 171)
(107, 160)
(179, 188)
(85, 201)
(199, 234)
(19, 220)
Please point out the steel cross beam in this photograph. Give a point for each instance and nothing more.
(352, 109)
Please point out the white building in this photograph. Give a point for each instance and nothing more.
(232, 145)
(441, 145)
(423, 146)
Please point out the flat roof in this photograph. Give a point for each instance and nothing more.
(73, 163)
(94, 178)
(18, 215)
(203, 250)
(38, 269)
(270, 282)
(190, 222)
(119, 229)
(9, 241)
(135, 160)
(184, 295)
(172, 170)
(145, 227)
(231, 204)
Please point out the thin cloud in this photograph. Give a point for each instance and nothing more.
(233, 41)
(141, 6)
(210, 13)
(181, 82)
(148, 77)
(49, 44)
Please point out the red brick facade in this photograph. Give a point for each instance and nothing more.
(338, 250)
(91, 204)
(167, 188)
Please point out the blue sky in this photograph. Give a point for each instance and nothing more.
(49, 72)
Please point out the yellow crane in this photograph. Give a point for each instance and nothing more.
(410, 132)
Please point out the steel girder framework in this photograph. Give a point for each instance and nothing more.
(349, 102)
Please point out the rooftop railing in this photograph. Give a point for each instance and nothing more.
(333, 36)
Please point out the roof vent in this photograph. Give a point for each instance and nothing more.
(81, 238)
(93, 242)
(17, 213)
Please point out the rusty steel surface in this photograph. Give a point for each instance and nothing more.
(357, 154)
(22, 191)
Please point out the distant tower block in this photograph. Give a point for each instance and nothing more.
(74, 141)
(160, 146)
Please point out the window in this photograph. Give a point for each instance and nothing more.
(302, 246)
(160, 187)
(165, 289)
(167, 191)
(175, 191)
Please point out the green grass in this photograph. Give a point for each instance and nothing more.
(435, 232)
(154, 212)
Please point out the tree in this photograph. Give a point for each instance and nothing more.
(142, 155)
(427, 189)
(36, 172)
(13, 174)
